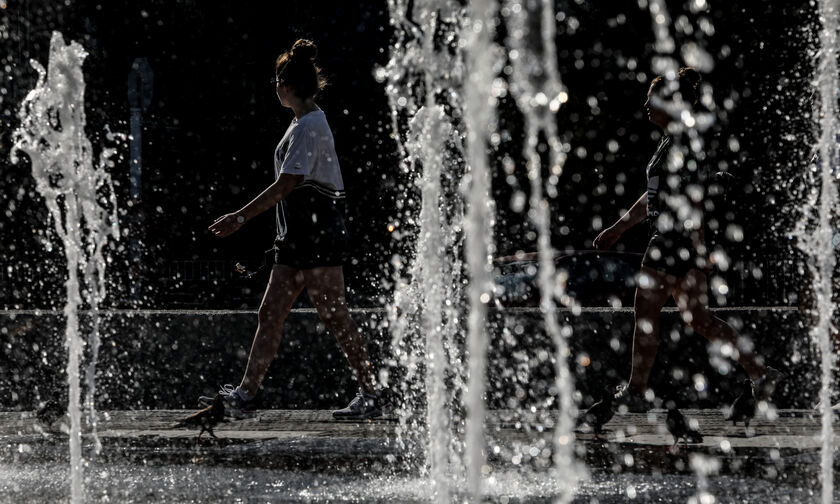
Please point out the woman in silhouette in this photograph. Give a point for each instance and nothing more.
(675, 263)
(308, 197)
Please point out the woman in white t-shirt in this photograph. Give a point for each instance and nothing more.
(311, 242)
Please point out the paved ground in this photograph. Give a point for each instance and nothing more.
(786, 447)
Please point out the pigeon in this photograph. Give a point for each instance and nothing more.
(206, 419)
(679, 428)
(50, 411)
(744, 406)
(599, 413)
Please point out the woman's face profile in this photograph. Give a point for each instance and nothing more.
(656, 114)
(283, 91)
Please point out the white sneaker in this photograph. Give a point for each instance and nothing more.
(366, 405)
(235, 406)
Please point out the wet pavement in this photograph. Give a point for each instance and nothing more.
(306, 456)
(782, 444)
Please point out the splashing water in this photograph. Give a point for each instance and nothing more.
(815, 230)
(440, 84)
(82, 206)
(703, 467)
(433, 37)
(429, 246)
(422, 84)
(536, 85)
(478, 226)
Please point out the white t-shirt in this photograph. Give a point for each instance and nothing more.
(308, 149)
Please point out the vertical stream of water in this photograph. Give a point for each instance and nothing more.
(535, 82)
(478, 226)
(82, 208)
(818, 244)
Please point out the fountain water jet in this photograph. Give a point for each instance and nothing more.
(429, 286)
(82, 206)
(433, 36)
(479, 123)
(536, 85)
(815, 236)
(432, 40)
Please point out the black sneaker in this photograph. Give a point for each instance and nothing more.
(364, 406)
(235, 406)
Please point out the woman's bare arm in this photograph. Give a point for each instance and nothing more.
(273, 194)
(635, 215)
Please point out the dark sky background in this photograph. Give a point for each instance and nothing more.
(214, 121)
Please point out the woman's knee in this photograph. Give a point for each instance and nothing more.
(648, 303)
(270, 315)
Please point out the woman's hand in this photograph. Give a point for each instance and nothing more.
(226, 225)
(606, 239)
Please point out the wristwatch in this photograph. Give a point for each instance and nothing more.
(240, 219)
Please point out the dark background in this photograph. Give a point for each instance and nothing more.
(214, 121)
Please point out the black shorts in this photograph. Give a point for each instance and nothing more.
(672, 254)
(311, 230)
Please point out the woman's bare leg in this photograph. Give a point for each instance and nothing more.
(284, 286)
(325, 286)
(651, 294)
(692, 298)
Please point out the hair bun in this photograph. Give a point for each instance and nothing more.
(305, 49)
(691, 76)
